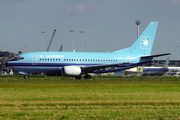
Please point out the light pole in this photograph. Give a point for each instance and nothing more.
(84, 47)
(177, 52)
(24, 49)
(158, 48)
(137, 23)
(158, 52)
(43, 32)
(71, 39)
(104, 48)
(81, 38)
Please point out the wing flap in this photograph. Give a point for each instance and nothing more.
(102, 66)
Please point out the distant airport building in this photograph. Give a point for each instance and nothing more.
(172, 63)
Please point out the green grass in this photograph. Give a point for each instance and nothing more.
(102, 97)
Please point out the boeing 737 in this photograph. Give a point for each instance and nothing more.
(76, 64)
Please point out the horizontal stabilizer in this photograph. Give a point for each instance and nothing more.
(158, 55)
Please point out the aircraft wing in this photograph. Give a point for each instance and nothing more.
(102, 66)
(110, 67)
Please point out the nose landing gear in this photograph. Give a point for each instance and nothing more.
(25, 77)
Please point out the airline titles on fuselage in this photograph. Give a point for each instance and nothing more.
(53, 56)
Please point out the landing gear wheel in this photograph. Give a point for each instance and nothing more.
(87, 76)
(78, 77)
(25, 77)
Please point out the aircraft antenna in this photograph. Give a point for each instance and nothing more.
(61, 47)
(51, 39)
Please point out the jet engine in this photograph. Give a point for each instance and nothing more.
(71, 71)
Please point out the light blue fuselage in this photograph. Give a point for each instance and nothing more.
(52, 62)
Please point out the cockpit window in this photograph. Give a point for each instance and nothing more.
(17, 58)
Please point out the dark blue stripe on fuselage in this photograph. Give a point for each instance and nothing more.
(16, 64)
(155, 69)
(49, 64)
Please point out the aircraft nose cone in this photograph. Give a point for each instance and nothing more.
(7, 63)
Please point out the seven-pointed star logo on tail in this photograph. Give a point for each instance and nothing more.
(145, 42)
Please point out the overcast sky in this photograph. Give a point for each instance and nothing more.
(108, 25)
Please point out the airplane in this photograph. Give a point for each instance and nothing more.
(156, 71)
(165, 70)
(75, 64)
(174, 71)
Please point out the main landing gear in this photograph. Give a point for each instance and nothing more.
(86, 77)
(78, 77)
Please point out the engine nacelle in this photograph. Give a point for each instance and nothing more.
(71, 71)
